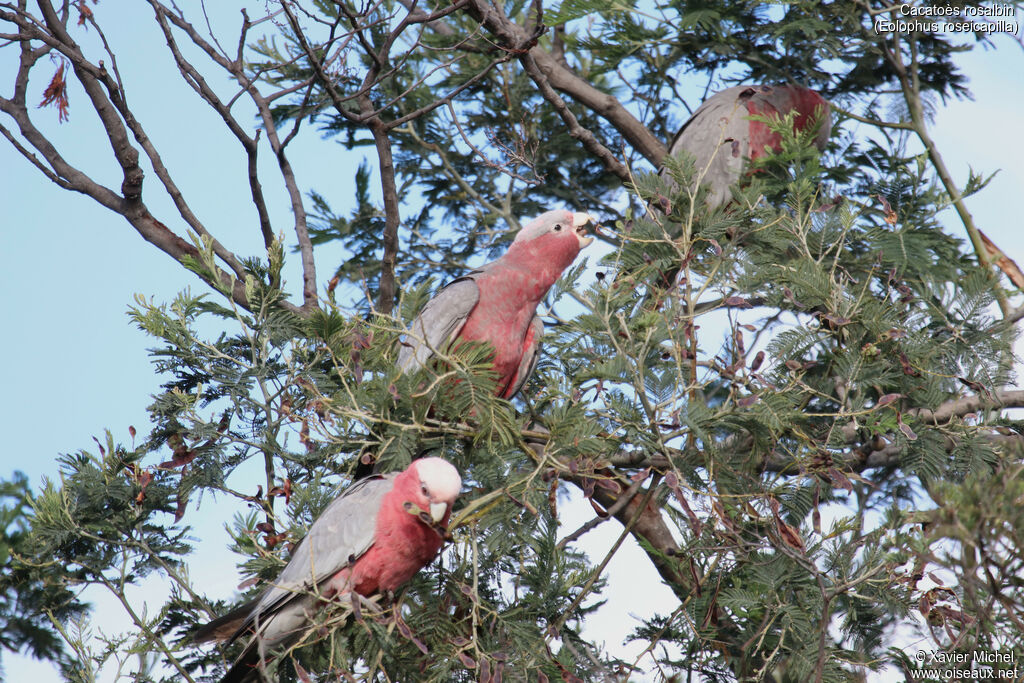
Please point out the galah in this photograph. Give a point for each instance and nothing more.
(721, 136)
(370, 539)
(497, 303)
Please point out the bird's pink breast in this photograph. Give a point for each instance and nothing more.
(509, 293)
(403, 544)
(806, 103)
(501, 318)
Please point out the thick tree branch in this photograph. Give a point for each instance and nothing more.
(561, 78)
(648, 525)
(576, 130)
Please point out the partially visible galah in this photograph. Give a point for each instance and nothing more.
(372, 538)
(497, 303)
(721, 136)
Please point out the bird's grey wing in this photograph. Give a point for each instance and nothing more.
(528, 363)
(439, 322)
(717, 136)
(339, 536)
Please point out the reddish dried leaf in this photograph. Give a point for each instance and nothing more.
(946, 613)
(907, 431)
(304, 436)
(737, 336)
(143, 478)
(248, 583)
(828, 206)
(404, 629)
(270, 542)
(748, 401)
(301, 673)
(179, 511)
(84, 13)
(738, 302)
(695, 524)
(467, 661)
(357, 368)
(908, 369)
(840, 480)
(924, 605)
(887, 210)
(834, 320)
(180, 453)
(758, 360)
(553, 497)
(131, 431)
(485, 671)
(283, 490)
(1004, 262)
(56, 93)
(788, 293)
(789, 535)
(259, 495)
(179, 459)
(887, 399)
(615, 487)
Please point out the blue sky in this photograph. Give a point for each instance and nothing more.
(69, 268)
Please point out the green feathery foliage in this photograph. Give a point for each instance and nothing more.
(789, 406)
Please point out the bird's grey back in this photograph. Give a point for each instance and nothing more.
(439, 322)
(342, 533)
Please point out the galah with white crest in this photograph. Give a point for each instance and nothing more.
(372, 538)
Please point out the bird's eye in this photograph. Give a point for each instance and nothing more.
(423, 488)
(558, 226)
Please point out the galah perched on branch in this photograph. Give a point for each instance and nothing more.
(372, 538)
(721, 135)
(497, 303)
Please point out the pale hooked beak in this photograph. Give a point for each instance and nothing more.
(437, 511)
(579, 221)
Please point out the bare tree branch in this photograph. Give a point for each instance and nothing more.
(236, 69)
(513, 37)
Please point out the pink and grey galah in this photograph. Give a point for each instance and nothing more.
(721, 136)
(372, 538)
(497, 303)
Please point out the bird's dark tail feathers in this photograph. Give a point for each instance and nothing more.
(226, 627)
(246, 668)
